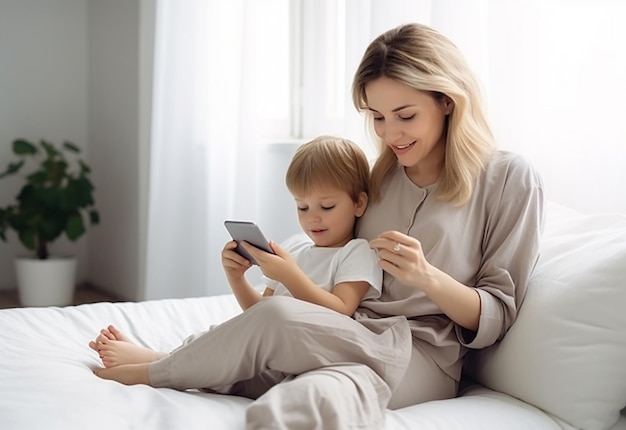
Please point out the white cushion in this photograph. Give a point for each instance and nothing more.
(566, 353)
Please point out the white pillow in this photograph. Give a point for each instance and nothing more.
(566, 353)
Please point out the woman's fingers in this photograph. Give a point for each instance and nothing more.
(400, 255)
(394, 242)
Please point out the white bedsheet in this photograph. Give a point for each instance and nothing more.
(46, 377)
(46, 380)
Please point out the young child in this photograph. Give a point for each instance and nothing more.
(329, 180)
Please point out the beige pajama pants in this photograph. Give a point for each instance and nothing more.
(334, 372)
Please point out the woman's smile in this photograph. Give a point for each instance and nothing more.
(402, 149)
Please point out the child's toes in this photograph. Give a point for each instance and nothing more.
(118, 334)
(105, 332)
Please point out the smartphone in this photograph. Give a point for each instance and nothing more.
(251, 233)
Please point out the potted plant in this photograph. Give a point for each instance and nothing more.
(56, 198)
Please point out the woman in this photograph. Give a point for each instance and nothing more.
(456, 224)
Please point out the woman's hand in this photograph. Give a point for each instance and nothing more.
(403, 258)
(235, 265)
(278, 266)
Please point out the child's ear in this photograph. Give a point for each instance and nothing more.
(360, 205)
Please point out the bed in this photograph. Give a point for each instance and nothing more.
(561, 366)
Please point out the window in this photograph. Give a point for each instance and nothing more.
(270, 46)
(300, 67)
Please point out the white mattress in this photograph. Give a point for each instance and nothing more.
(46, 380)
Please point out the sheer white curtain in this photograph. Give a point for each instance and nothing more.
(553, 72)
(557, 89)
(340, 32)
(203, 146)
(554, 75)
(207, 152)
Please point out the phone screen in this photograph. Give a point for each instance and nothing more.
(250, 232)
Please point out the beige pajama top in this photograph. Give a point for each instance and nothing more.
(491, 244)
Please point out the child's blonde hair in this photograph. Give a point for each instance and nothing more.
(329, 161)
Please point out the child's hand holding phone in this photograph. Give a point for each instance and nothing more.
(247, 231)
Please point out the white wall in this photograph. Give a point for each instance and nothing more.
(117, 81)
(43, 87)
(79, 70)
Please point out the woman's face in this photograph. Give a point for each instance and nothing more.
(412, 124)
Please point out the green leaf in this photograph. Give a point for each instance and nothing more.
(12, 168)
(27, 237)
(67, 199)
(84, 168)
(56, 170)
(27, 197)
(37, 179)
(15, 167)
(75, 227)
(71, 147)
(51, 227)
(23, 147)
(94, 217)
(51, 151)
(52, 197)
(3, 224)
(84, 193)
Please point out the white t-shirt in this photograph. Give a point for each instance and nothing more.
(327, 267)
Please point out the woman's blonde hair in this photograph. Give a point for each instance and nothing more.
(422, 58)
(329, 161)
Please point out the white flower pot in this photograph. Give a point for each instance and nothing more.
(45, 282)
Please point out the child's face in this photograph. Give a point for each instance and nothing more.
(327, 215)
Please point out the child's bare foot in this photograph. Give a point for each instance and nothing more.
(129, 374)
(110, 333)
(116, 349)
